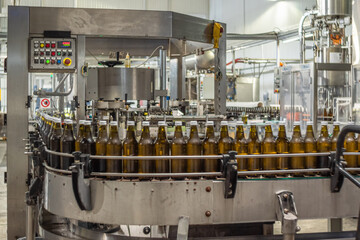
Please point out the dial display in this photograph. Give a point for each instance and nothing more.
(64, 44)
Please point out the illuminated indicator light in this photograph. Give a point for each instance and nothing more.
(58, 61)
(52, 53)
(53, 45)
(59, 53)
(47, 61)
(41, 45)
(47, 45)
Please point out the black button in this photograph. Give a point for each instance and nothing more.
(47, 53)
(36, 61)
(42, 61)
(69, 53)
(36, 53)
(64, 53)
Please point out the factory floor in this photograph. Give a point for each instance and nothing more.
(307, 226)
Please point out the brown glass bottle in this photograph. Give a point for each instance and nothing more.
(335, 136)
(55, 143)
(323, 145)
(282, 147)
(67, 144)
(297, 146)
(47, 130)
(310, 147)
(113, 148)
(226, 143)
(162, 149)
(210, 147)
(100, 145)
(194, 147)
(268, 146)
(80, 135)
(350, 145)
(178, 147)
(254, 148)
(241, 146)
(146, 148)
(130, 148)
(87, 144)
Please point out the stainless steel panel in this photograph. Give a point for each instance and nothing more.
(247, 89)
(91, 85)
(355, 31)
(137, 83)
(17, 85)
(162, 202)
(177, 78)
(221, 83)
(79, 89)
(106, 22)
(334, 7)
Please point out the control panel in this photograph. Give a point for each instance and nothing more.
(52, 54)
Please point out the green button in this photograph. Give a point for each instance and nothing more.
(47, 61)
(59, 53)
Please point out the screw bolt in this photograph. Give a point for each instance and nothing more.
(286, 196)
(208, 189)
(286, 211)
(298, 229)
(208, 213)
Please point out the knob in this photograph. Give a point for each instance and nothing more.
(67, 61)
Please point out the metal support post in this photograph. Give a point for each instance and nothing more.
(80, 79)
(287, 214)
(183, 228)
(162, 63)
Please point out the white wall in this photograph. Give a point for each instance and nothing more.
(261, 16)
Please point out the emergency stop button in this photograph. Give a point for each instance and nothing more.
(67, 61)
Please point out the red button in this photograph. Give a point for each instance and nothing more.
(67, 61)
(53, 45)
(52, 61)
(52, 53)
(41, 53)
(47, 45)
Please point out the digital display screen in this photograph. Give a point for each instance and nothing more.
(64, 44)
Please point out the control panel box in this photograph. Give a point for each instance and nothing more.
(51, 54)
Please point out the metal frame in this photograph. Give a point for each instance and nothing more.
(25, 22)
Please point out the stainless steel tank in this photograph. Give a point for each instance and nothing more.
(334, 7)
(137, 83)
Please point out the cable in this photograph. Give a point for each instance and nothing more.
(151, 55)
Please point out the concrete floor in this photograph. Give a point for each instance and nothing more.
(307, 226)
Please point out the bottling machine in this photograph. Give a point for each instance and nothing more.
(81, 204)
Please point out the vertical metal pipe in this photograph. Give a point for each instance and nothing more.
(277, 53)
(30, 225)
(233, 63)
(162, 62)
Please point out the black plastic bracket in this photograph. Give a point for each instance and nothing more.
(28, 101)
(229, 171)
(81, 186)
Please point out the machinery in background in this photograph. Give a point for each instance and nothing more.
(320, 91)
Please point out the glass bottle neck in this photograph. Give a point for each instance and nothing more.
(130, 134)
(309, 131)
(224, 132)
(161, 132)
(194, 132)
(268, 132)
(210, 132)
(239, 132)
(282, 132)
(102, 132)
(145, 132)
(178, 132)
(324, 131)
(297, 132)
(113, 132)
(253, 133)
(87, 133)
(68, 129)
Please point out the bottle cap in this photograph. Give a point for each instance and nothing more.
(193, 123)
(106, 118)
(81, 122)
(324, 123)
(102, 123)
(146, 123)
(336, 123)
(239, 123)
(87, 123)
(162, 123)
(113, 123)
(309, 123)
(178, 123)
(57, 120)
(224, 123)
(209, 123)
(130, 123)
(68, 121)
